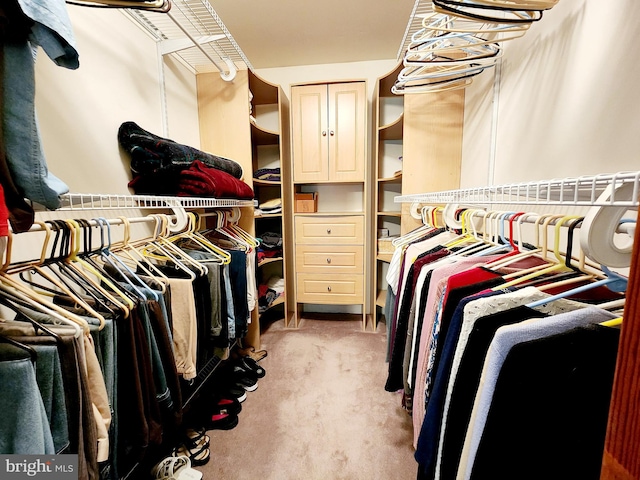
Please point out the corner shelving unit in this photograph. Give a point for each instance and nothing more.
(388, 145)
(269, 119)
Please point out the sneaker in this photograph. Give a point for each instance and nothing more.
(233, 392)
(249, 384)
(250, 364)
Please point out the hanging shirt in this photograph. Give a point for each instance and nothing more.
(549, 412)
(505, 338)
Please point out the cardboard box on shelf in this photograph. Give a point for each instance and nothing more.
(306, 202)
(385, 245)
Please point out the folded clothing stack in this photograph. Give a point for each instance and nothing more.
(269, 292)
(268, 174)
(202, 181)
(157, 161)
(270, 245)
(270, 207)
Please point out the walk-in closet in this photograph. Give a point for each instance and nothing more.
(362, 240)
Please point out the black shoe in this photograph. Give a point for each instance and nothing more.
(249, 384)
(224, 405)
(221, 421)
(233, 392)
(240, 370)
(249, 363)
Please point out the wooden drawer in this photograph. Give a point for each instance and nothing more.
(329, 289)
(345, 230)
(331, 259)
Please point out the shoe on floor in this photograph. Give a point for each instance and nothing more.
(221, 421)
(249, 384)
(224, 405)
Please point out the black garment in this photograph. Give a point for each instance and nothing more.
(172, 415)
(430, 432)
(238, 276)
(467, 380)
(133, 429)
(548, 416)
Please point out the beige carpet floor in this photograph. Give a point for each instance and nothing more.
(320, 413)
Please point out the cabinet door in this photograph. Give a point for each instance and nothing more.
(309, 131)
(347, 131)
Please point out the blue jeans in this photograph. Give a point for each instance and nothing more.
(25, 157)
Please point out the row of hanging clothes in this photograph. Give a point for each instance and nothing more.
(102, 342)
(505, 347)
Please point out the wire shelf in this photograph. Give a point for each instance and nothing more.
(421, 9)
(201, 21)
(579, 191)
(88, 201)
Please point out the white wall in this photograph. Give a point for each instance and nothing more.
(79, 111)
(569, 102)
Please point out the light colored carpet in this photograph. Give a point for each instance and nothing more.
(320, 413)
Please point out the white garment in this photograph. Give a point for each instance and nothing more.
(252, 288)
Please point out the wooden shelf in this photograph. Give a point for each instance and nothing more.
(389, 214)
(262, 136)
(268, 215)
(384, 257)
(393, 130)
(395, 178)
(269, 260)
(257, 181)
(381, 298)
(276, 302)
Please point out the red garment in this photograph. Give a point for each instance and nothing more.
(202, 181)
(4, 215)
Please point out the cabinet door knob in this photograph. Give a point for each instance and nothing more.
(328, 231)
(328, 260)
(331, 133)
(329, 288)
(324, 133)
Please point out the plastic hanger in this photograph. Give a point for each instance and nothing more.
(125, 248)
(161, 249)
(201, 242)
(529, 274)
(614, 282)
(127, 273)
(33, 355)
(53, 276)
(84, 273)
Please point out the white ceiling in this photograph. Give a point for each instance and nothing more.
(279, 33)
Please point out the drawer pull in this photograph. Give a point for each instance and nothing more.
(329, 288)
(328, 260)
(328, 231)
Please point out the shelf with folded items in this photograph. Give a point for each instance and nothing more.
(268, 117)
(269, 260)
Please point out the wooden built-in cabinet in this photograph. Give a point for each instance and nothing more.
(329, 156)
(329, 130)
(418, 148)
